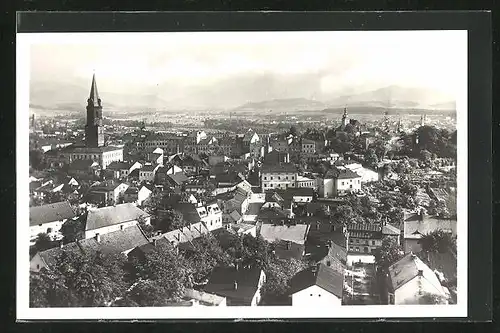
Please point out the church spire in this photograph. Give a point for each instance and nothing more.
(94, 94)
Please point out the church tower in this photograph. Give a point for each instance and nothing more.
(345, 118)
(94, 136)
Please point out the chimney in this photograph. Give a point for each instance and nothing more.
(235, 285)
(288, 245)
(154, 242)
(314, 269)
(122, 227)
(420, 272)
(61, 244)
(98, 237)
(237, 266)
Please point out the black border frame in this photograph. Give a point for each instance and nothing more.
(479, 27)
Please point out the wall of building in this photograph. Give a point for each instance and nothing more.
(112, 228)
(410, 292)
(412, 245)
(356, 258)
(271, 181)
(257, 297)
(314, 297)
(359, 244)
(347, 185)
(326, 188)
(36, 263)
(43, 228)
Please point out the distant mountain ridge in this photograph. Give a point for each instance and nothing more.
(71, 97)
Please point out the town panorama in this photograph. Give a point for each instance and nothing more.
(324, 208)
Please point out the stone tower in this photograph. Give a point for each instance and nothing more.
(94, 136)
(345, 118)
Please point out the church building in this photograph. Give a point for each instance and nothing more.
(94, 148)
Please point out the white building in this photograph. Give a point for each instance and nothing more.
(104, 220)
(148, 172)
(49, 218)
(337, 182)
(279, 176)
(410, 280)
(317, 286)
(143, 194)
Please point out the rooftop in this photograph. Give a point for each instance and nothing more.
(294, 233)
(222, 280)
(320, 275)
(279, 168)
(52, 212)
(408, 268)
(112, 215)
(416, 226)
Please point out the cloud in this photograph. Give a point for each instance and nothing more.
(232, 68)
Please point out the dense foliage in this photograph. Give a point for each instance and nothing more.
(388, 253)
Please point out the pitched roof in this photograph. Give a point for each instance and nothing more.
(254, 208)
(81, 164)
(52, 212)
(149, 167)
(279, 168)
(288, 250)
(390, 230)
(178, 178)
(416, 228)
(339, 173)
(272, 213)
(204, 298)
(320, 275)
(119, 165)
(111, 243)
(407, 268)
(112, 215)
(221, 282)
(116, 241)
(294, 233)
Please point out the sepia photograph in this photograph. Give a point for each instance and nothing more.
(242, 174)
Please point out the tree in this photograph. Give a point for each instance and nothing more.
(73, 230)
(438, 241)
(36, 159)
(388, 253)
(172, 220)
(431, 299)
(147, 228)
(204, 256)
(145, 293)
(94, 279)
(250, 251)
(371, 158)
(425, 156)
(167, 269)
(48, 290)
(43, 242)
(278, 276)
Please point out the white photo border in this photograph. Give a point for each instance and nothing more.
(24, 312)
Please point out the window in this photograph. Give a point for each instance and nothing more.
(365, 249)
(37, 266)
(342, 183)
(350, 186)
(373, 242)
(328, 263)
(265, 178)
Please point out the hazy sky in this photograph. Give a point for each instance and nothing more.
(252, 65)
